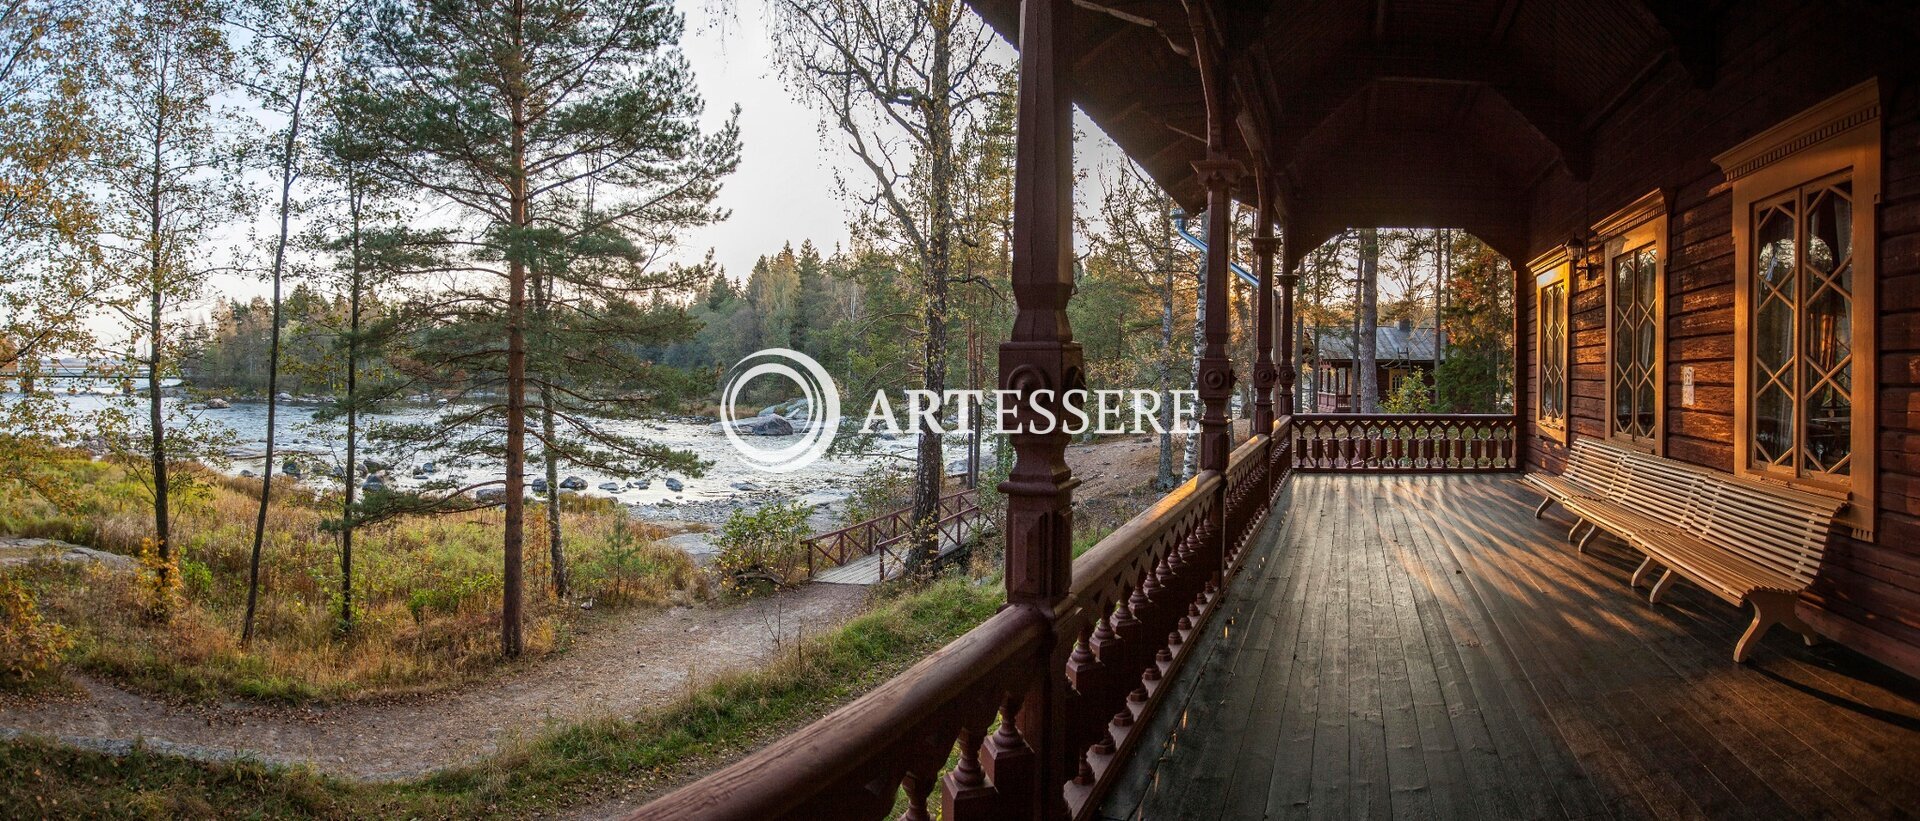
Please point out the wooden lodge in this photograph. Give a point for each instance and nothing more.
(1402, 352)
(1713, 211)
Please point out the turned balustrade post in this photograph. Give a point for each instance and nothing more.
(1289, 369)
(1030, 760)
(1264, 372)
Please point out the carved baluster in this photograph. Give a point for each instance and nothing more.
(917, 785)
(964, 792)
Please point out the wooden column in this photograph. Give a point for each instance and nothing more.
(1264, 373)
(1289, 369)
(1522, 430)
(1216, 370)
(1040, 363)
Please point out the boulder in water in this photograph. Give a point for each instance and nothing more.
(539, 485)
(490, 495)
(610, 487)
(292, 468)
(573, 483)
(246, 474)
(643, 484)
(430, 467)
(217, 403)
(746, 486)
(374, 466)
(674, 484)
(283, 396)
(373, 483)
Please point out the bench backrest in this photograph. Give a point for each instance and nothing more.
(1780, 529)
(1594, 465)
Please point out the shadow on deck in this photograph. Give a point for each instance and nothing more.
(1421, 647)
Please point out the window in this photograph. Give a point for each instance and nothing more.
(1804, 194)
(1550, 290)
(1635, 242)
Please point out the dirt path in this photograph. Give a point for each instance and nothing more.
(615, 670)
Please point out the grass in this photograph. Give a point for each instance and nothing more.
(722, 720)
(426, 589)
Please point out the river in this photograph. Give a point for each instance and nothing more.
(729, 483)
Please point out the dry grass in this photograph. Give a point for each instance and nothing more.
(426, 589)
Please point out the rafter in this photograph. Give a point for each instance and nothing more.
(1316, 99)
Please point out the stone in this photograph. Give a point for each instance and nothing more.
(430, 467)
(490, 495)
(674, 484)
(573, 483)
(292, 468)
(747, 486)
(246, 474)
(764, 425)
(375, 466)
(610, 487)
(217, 403)
(373, 483)
(539, 485)
(283, 396)
(643, 484)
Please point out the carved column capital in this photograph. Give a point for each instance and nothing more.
(1219, 173)
(1266, 246)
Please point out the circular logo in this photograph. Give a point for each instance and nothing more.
(816, 387)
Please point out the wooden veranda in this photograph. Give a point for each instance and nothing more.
(1713, 213)
(1420, 646)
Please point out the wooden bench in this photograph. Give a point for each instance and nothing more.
(1746, 542)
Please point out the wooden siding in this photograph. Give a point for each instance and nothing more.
(1777, 59)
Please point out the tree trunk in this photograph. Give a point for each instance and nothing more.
(273, 367)
(156, 333)
(516, 445)
(353, 420)
(1191, 460)
(930, 466)
(556, 553)
(1164, 479)
(1366, 355)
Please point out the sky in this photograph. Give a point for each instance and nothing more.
(784, 190)
(785, 187)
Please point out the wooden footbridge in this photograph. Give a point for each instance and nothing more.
(875, 550)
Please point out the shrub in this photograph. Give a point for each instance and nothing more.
(159, 581)
(630, 568)
(30, 647)
(763, 547)
(883, 489)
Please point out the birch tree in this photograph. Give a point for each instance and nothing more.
(901, 81)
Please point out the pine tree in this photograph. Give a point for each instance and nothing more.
(566, 132)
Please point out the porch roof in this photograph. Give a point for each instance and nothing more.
(1395, 112)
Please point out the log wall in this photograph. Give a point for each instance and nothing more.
(1776, 59)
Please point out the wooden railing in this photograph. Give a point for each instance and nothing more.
(1071, 688)
(887, 534)
(1405, 443)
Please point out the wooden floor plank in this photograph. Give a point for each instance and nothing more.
(1421, 647)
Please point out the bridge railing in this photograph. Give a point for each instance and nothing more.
(887, 534)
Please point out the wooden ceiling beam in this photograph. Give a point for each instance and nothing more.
(1692, 29)
(1315, 100)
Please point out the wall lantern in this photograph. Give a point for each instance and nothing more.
(1577, 258)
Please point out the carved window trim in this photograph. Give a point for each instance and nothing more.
(1553, 344)
(1640, 225)
(1840, 137)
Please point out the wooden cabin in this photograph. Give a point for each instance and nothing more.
(1401, 352)
(1713, 211)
